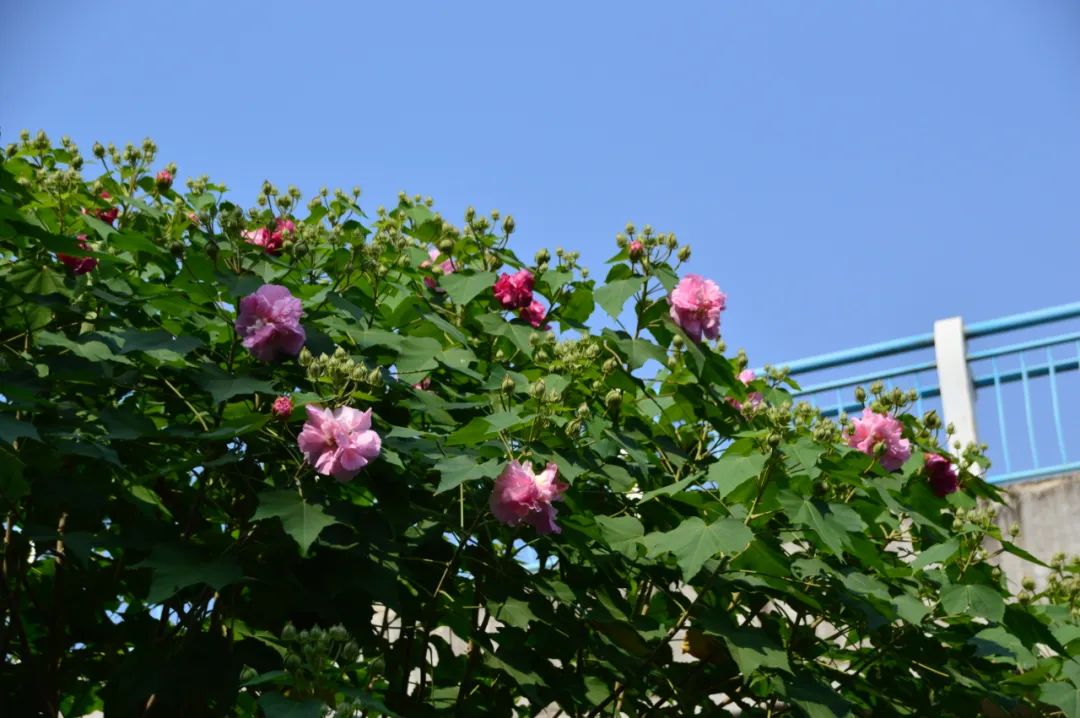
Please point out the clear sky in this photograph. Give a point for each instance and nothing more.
(847, 172)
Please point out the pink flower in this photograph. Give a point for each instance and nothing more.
(753, 398)
(942, 475)
(338, 443)
(79, 264)
(521, 495)
(164, 180)
(514, 291)
(269, 322)
(282, 407)
(636, 249)
(696, 304)
(283, 229)
(873, 429)
(194, 218)
(445, 267)
(534, 314)
(262, 237)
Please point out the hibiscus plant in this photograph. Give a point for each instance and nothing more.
(302, 460)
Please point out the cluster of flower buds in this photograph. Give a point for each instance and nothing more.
(339, 369)
(313, 653)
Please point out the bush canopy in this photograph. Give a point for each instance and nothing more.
(298, 460)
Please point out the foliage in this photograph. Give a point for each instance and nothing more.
(169, 552)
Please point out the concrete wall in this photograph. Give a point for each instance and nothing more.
(1048, 513)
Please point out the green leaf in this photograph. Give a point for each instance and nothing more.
(12, 429)
(802, 510)
(92, 350)
(753, 649)
(275, 705)
(463, 286)
(731, 471)
(973, 600)
(910, 608)
(459, 468)
(938, 553)
(613, 295)
(1065, 696)
(513, 612)
(694, 542)
(176, 567)
(302, 521)
(223, 386)
(621, 533)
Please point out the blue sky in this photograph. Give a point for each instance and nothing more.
(847, 172)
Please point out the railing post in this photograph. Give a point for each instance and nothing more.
(957, 391)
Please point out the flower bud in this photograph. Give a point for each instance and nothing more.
(340, 354)
(1028, 583)
(508, 225)
(508, 384)
(305, 357)
(338, 633)
(543, 256)
(613, 400)
(860, 395)
(630, 228)
(583, 411)
(610, 365)
(470, 214)
(293, 662)
(684, 253)
(99, 150)
(288, 633)
(538, 389)
(177, 249)
(375, 377)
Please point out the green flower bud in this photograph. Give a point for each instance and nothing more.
(375, 377)
(538, 389)
(543, 256)
(508, 225)
(338, 633)
(610, 365)
(860, 395)
(293, 662)
(613, 400)
(684, 253)
(446, 246)
(508, 384)
(1028, 583)
(630, 228)
(305, 357)
(288, 632)
(583, 411)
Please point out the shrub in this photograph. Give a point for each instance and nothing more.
(296, 461)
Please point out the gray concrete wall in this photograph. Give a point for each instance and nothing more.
(1048, 513)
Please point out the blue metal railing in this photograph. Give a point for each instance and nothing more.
(1016, 384)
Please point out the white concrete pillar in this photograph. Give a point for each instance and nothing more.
(957, 391)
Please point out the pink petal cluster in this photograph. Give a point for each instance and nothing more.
(269, 323)
(445, 267)
(108, 216)
(696, 304)
(164, 180)
(534, 314)
(754, 398)
(520, 495)
(270, 240)
(873, 429)
(79, 264)
(941, 474)
(636, 250)
(282, 407)
(338, 442)
(514, 291)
